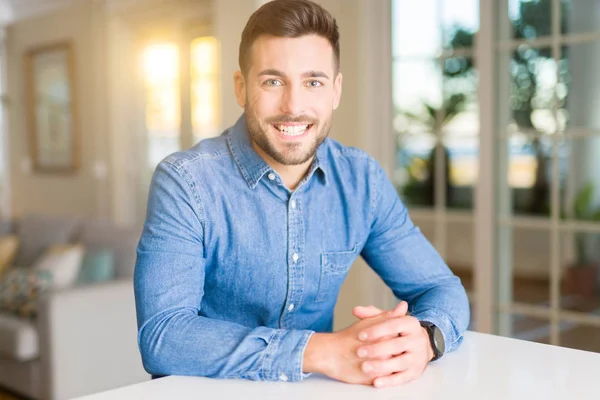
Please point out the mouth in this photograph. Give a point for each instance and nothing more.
(292, 130)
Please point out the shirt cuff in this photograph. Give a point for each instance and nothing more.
(452, 339)
(284, 355)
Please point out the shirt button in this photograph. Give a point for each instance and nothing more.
(271, 176)
(283, 377)
(291, 308)
(293, 203)
(295, 257)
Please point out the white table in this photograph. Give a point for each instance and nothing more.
(485, 367)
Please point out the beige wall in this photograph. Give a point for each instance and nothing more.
(80, 194)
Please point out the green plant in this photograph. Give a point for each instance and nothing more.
(584, 209)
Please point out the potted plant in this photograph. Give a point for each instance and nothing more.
(581, 277)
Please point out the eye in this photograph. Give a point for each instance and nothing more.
(314, 84)
(273, 82)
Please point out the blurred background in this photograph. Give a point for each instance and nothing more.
(484, 114)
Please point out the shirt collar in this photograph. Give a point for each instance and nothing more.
(252, 166)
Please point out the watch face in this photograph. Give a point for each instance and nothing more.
(438, 339)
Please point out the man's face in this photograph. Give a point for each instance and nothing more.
(289, 94)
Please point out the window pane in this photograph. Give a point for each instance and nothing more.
(417, 95)
(533, 83)
(580, 260)
(580, 337)
(578, 90)
(528, 328)
(205, 84)
(460, 22)
(523, 267)
(414, 175)
(161, 73)
(530, 19)
(581, 16)
(529, 174)
(415, 28)
(460, 97)
(463, 167)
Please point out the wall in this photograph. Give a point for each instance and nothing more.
(80, 194)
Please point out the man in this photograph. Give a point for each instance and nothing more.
(250, 235)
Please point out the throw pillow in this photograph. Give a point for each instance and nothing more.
(20, 289)
(9, 245)
(98, 266)
(63, 262)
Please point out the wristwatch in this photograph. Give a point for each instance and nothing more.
(436, 338)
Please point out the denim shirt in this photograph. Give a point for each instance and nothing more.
(235, 272)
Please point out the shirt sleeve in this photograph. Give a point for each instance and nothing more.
(407, 262)
(173, 338)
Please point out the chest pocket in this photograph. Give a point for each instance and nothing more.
(334, 267)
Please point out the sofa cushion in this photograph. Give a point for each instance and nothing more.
(63, 262)
(9, 244)
(20, 290)
(18, 338)
(98, 266)
(36, 233)
(96, 235)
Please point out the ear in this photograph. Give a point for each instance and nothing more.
(240, 88)
(337, 90)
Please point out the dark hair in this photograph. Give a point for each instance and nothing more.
(290, 19)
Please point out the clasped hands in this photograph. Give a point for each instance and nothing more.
(384, 348)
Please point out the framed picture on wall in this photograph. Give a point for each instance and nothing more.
(51, 108)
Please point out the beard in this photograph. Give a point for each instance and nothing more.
(292, 153)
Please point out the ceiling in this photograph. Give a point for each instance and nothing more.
(13, 10)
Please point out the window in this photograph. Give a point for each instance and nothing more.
(205, 93)
(164, 99)
(163, 116)
(545, 152)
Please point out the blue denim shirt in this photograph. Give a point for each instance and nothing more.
(235, 272)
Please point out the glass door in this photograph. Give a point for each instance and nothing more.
(548, 158)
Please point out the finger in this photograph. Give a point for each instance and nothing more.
(385, 348)
(387, 367)
(401, 309)
(363, 312)
(391, 326)
(396, 379)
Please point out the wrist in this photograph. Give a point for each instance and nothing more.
(430, 352)
(315, 359)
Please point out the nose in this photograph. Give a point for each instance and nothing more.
(291, 101)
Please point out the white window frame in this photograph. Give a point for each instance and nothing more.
(492, 294)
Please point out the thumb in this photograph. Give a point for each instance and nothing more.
(362, 312)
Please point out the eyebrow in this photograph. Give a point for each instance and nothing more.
(308, 74)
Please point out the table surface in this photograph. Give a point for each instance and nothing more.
(484, 367)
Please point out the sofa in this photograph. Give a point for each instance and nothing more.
(83, 339)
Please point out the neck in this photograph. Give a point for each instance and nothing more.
(291, 175)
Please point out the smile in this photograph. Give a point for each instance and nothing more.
(294, 130)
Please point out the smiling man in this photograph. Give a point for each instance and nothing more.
(249, 236)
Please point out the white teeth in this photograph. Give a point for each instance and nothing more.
(295, 130)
